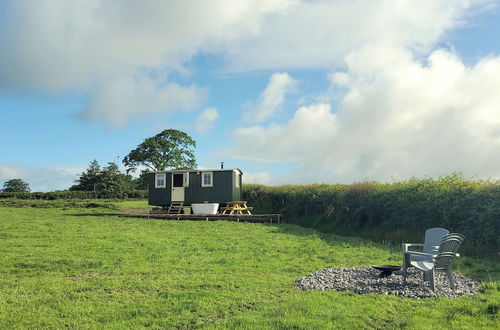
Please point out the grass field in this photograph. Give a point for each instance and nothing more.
(71, 266)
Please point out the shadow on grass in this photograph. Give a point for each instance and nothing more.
(331, 238)
(94, 214)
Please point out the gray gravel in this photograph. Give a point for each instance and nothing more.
(367, 280)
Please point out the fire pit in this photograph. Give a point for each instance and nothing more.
(386, 270)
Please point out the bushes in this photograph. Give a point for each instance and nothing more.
(138, 194)
(72, 194)
(394, 212)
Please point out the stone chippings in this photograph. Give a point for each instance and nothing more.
(367, 280)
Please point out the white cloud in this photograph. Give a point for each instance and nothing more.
(117, 100)
(318, 34)
(284, 143)
(40, 178)
(399, 118)
(63, 44)
(257, 178)
(205, 121)
(271, 99)
(102, 46)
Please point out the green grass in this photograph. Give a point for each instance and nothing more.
(72, 267)
(133, 204)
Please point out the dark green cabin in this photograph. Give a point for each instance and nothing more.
(194, 186)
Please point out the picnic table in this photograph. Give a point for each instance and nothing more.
(236, 207)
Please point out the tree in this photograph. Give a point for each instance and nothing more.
(89, 178)
(112, 183)
(142, 182)
(16, 185)
(106, 182)
(169, 149)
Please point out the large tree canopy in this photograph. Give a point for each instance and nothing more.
(169, 149)
(16, 185)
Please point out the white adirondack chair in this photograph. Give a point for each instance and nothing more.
(441, 261)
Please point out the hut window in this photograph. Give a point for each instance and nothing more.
(207, 179)
(178, 179)
(160, 181)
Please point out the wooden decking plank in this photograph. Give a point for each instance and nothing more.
(272, 218)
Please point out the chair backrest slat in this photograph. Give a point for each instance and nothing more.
(451, 243)
(448, 248)
(443, 260)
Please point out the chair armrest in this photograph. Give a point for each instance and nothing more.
(407, 257)
(405, 246)
(420, 254)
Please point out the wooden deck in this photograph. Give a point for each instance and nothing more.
(271, 218)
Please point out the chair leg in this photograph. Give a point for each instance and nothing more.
(405, 270)
(431, 279)
(450, 278)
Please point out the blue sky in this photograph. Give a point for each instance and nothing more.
(288, 91)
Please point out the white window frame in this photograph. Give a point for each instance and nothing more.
(185, 179)
(211, 184)
(237, 179)
(164, 180)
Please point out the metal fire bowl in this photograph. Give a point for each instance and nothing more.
(386, 270)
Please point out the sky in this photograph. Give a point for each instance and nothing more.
(289, 91)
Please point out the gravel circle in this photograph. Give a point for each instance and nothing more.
(367, 280)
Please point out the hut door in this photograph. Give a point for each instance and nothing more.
(178, 187)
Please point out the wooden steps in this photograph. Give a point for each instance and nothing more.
(175, 208)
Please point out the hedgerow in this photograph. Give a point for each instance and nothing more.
(392, 212)
(72, 194)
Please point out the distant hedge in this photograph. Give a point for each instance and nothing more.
(396, 212)
(67, 194)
